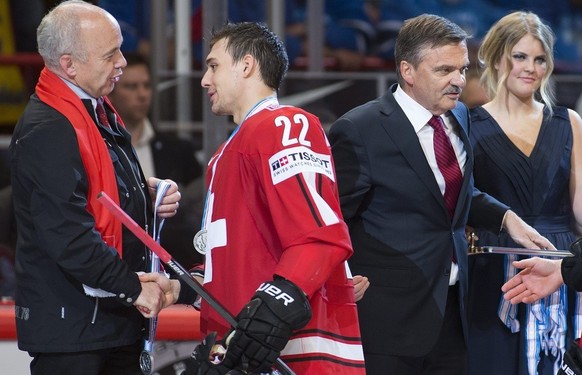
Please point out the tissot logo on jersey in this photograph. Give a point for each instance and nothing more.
(280, 163)
(291, 161)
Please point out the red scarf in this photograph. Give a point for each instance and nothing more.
(98, 165)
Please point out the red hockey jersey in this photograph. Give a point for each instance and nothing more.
(273, 208)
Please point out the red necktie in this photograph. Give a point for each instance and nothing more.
(101, 115)
(447, 163)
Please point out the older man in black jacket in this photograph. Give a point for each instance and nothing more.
(77, 287)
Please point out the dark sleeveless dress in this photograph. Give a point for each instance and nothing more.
(537, 189)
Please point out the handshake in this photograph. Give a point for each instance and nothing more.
(264, 326)
(157, 292)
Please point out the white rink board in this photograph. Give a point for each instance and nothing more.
(12, 360)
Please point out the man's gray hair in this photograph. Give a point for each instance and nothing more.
(59, 32)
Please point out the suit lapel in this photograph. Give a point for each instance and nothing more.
(460, 114)
(402, 133)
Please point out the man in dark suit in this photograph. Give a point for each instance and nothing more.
(162, 154)
(407, 211)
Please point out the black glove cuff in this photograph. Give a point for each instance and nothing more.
(286, 301)
(571, 272)
(576, 247)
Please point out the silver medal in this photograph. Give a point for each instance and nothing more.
(146, 362)
(199, 241)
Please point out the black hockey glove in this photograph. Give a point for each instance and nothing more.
(265, 325)
(188, 295)
(576, 247)
(572, 363)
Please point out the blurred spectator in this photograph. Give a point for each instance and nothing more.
(18, 22)
(162, 155)
(348, 30)
(390, 17)
(134, 20)
(354, 28)
(474, 16)
(26, 16)
(243, 11)
(474, 93)
(348, 27)
(256, 11)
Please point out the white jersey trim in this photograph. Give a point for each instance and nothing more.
(319, 345)
(327, 214)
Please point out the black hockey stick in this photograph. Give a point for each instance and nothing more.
(182, 273)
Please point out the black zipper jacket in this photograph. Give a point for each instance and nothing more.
(58, 249)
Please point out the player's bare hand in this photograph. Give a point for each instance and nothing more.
(170, 288)
(539, 278)
(361, 284)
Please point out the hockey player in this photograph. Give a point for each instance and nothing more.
(276, 243)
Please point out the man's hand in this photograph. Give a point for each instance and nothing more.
(538, 279)
(170, 288)
(151, 299)
(170, 203)
(523, 234)
(361, 284)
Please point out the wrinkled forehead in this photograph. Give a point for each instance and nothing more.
(444, 52)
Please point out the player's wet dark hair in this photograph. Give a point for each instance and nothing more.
(257, 40)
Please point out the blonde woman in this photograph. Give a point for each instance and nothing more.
(528, 155)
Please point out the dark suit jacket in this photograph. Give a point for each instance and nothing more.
(401, 232)
(174, 158)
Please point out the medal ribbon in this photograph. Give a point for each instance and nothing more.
(199, 239)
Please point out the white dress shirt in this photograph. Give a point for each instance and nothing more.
(418, 117)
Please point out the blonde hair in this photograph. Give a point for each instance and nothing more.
(499, 42)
